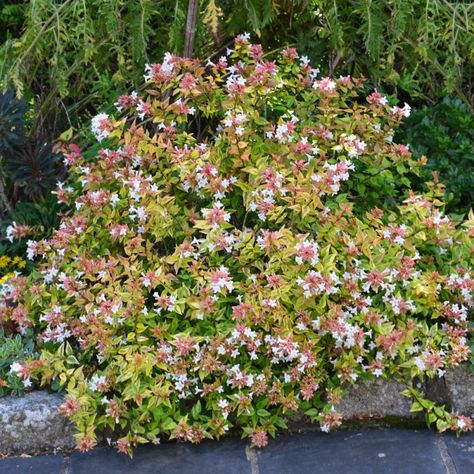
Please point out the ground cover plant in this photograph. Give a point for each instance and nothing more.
(243, 247)
(14, 349)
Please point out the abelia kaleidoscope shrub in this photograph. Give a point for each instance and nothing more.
(236, 255)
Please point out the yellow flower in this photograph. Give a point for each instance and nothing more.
(6, 277)
(19, 262)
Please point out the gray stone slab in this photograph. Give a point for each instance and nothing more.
(32, 424)
(221, 457)
(375, 399)
(392, 451)
(461, 451)
(460, 387)
(36, 465)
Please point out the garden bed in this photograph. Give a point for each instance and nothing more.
(33, 425)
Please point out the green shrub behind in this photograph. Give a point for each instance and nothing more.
(72, 56)
(444, 133)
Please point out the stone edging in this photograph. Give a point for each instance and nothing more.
(32, 424)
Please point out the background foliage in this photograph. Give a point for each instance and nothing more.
(74, 56)
(444, 133)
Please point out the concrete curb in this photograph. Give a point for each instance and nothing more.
(32, 424)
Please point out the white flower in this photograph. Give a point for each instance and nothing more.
(222, 404)
(167, 66)
(142, 109)
(406, 110)
(377, 372)
(419, 363)
(98, 128)
(15, 368)
(96, 381)
(114, 199)
(30, 249)
(460, 424)
(9, 232)
(304, 60)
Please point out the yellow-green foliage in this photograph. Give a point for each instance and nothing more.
(231, 259)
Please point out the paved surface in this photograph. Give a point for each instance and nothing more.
(387, 451)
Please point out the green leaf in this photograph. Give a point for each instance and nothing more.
(168, 425)
(416, 407)
(312, 412)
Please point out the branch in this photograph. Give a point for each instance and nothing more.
(190, 32)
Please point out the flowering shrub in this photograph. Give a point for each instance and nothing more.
(235, 256)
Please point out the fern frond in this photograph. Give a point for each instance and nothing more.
(212, 16)
(373, 24)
